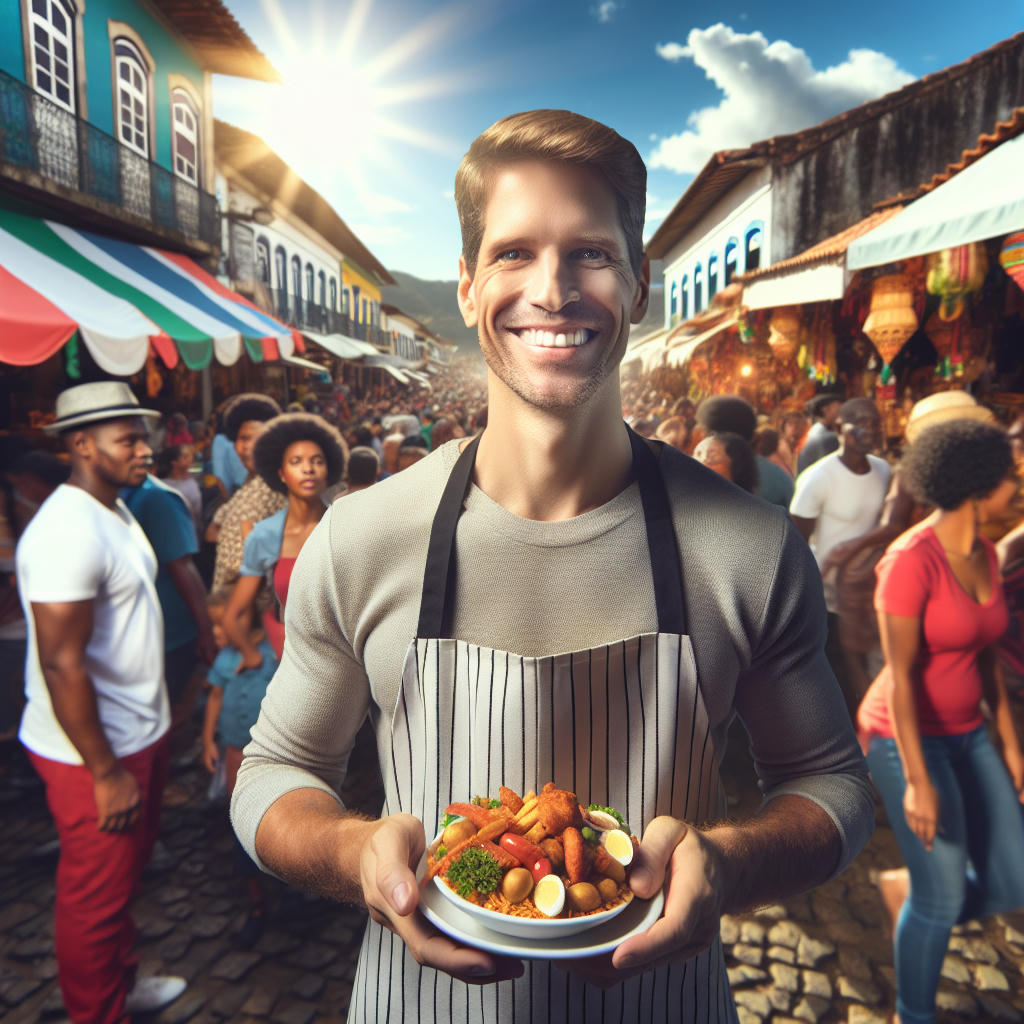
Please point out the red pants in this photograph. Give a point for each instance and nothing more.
(96, 879)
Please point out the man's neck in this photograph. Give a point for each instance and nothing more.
(552, 466)
(100, 489)
(855, 462)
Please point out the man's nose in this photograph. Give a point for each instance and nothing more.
(553, 283)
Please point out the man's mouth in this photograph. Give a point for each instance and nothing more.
(554, 339)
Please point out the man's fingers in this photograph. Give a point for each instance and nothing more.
(396, 847)
(661, 837)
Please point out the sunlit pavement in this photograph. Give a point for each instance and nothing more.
(822, 957)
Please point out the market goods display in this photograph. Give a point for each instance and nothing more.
(539, 859)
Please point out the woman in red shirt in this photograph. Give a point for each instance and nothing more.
(953, 804)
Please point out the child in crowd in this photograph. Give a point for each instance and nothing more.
(232, 707)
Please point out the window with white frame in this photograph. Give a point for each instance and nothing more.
(334, 293)
(712, 276)
(51, 28)
(684, 289)
(132, 77)
(263, 259)
(732, 248)
(185, 136)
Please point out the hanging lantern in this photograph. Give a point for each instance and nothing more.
(1011, 257)
(784, 332)
(955, 273)
(892, 319)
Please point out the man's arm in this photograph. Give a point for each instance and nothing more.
(189, 584)
(62, 632)
(804, 526)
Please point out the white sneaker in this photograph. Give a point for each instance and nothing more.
(153, 993)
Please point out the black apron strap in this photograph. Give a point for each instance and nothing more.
(439, 574)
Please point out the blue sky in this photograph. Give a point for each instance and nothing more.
(383, 97)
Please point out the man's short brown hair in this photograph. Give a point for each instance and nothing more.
(554, 135)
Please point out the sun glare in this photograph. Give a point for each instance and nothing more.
(340, 110)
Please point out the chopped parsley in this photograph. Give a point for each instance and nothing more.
(475, 870)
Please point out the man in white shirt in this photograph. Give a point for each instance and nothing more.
(838, 500)
(97, 715)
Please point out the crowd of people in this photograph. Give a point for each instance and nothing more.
(152, 563)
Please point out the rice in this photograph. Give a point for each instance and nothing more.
(497, 903)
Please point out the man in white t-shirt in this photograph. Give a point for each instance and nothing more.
(97, 715)
(838, 500)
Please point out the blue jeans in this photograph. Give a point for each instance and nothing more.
(975, 867)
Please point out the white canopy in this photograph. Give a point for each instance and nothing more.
(984, 200)
(341, 345)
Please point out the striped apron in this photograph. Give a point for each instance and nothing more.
(622, 725)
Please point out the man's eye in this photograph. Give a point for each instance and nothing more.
(509, 255)
(591, 254)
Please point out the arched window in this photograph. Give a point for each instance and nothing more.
(322, 283)
(281, 269)
(334, 294)
(52, 39)
(673, 302)
(366, 312)
(297, 277)
(684, 289)
(732, 249)
(346, 300)
(310, 284)
(712, 275)
(132, 101)
(752, 242)
(698, 288)
(263, 259)
(185, 136)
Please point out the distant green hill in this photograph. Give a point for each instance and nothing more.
(433, 303)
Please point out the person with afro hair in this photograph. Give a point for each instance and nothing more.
(244, 420)
(951, 800)
(730, 414)
(298, 456)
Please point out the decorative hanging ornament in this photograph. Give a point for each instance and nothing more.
(784, 332)
(892, 319)
(72, 360)
(955, 273)
(1011, 257)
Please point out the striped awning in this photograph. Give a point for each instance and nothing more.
(123, 300)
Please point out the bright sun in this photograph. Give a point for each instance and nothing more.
(338, 110)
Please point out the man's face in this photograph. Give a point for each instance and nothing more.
(553, 294)
(862, 430)
(118, 450)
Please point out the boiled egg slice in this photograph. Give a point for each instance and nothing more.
(549, 895)
(618, 845)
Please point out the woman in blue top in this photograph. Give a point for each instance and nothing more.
(300, 455)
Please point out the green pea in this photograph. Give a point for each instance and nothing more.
(589, 834)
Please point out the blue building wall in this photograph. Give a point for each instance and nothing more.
(12, 52)
(168, 53)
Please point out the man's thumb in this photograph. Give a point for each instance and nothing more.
(661, 837)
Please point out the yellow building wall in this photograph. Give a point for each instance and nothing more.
(352, 278)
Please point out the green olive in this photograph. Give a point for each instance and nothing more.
(457, 831)
(609, 889)
(517, 885)
(583, 897)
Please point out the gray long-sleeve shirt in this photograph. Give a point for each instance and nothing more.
(753, 595)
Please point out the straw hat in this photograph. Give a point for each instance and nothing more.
(93, 403)
(942, 407)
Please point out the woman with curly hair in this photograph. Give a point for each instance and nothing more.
(953, 804)
(298, 455)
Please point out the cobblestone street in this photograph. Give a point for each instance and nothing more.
(822, 957)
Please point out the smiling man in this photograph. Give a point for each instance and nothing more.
(96, 718)
(585, 607)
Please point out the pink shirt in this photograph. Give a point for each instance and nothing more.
(915, 580)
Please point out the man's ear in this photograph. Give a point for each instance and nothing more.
(467, 305)
(643, 292)
(80, 442)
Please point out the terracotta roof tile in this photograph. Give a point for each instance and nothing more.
(828, 249)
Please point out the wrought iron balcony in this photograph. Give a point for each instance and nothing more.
(306, 315)
(38, 136)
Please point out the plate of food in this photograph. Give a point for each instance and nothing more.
(537, 876)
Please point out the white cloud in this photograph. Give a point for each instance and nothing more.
(604, 11)
(769, 89)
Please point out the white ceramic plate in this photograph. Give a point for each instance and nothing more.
(638, 916)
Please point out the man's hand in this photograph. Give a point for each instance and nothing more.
(206, 646)
(1015, 766)
(386, 870)
(251, 658)
(839, 556)
(689, 866)
(118, 800)
(211, 755)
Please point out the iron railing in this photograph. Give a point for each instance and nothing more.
(306, 315)
(38, 135)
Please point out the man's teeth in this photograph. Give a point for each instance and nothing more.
(548, 339)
